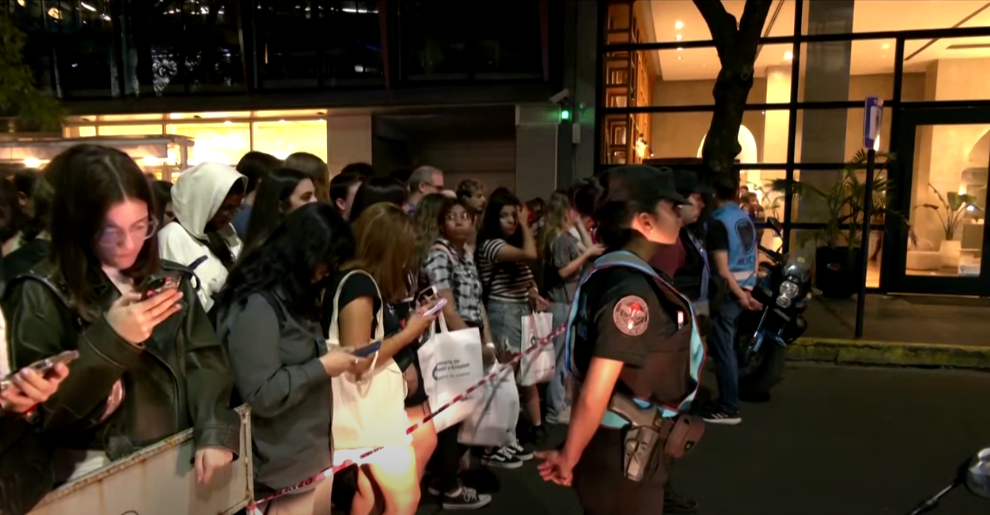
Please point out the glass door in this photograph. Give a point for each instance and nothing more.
(944, 157)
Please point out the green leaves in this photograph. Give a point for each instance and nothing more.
(952, 211)
(18, 94)
(845, 201)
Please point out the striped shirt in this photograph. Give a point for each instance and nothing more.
(508, 282)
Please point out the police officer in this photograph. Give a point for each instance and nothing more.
(634, 351)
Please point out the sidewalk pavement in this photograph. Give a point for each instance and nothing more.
(899, 330)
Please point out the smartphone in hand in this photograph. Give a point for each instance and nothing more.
(436, 308)
(367, 350)
(160, 284)
(43, 367)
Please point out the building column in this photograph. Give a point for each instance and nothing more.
(576, 139)
(349, 140)
(536, 150)
(824, 77)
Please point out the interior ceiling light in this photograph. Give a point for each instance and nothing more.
(679, 49)
(886, 46)
(678, 37)
(679, 25)
(788, 56)
(55, 13)
(87, 6)
(679, 58)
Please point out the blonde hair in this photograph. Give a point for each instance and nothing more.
(385, 247)
(557, 217)
(427, 222)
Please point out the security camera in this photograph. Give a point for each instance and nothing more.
(560, 97)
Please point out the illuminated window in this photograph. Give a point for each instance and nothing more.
(223, 142)
(130, 130)
(283, 137)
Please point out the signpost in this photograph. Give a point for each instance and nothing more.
(872, 121)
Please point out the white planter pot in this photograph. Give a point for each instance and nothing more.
(949, 252)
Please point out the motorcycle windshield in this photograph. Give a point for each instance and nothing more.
(798, 264)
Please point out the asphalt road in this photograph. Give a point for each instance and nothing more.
(849, 441)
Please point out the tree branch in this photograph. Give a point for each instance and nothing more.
(721, 24)
(753, 17)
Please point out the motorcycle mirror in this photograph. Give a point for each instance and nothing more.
(775, 225)
(978, 474)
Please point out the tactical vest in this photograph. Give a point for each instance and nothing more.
(742, 243)
(659, 381)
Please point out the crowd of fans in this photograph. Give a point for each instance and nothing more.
(281, 275)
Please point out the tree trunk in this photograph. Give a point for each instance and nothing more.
(737, 46)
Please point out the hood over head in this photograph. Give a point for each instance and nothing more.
(199, 192)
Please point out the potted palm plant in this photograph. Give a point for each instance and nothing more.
(951, 213)
(838, 244)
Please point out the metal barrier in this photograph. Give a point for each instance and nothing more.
(159, 480)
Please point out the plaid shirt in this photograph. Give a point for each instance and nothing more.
(448, 269)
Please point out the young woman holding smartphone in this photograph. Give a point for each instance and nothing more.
(147, 368)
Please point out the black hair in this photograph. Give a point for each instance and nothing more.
(375, 190)
(256, 166)
(271, 202)
(163, 195)
(88, 180)
(468, 187)
(362, 169)
(11, 217)
(627, 191)
(491, 220)
(585, 196)
(309, 237)
(341, 183)
(33, 185)
(725, 190)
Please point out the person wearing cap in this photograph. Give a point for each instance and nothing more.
(732, 241)
(631, 341)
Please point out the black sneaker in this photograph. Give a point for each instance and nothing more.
(502, 458)
(675, 504)
(538, 436)
(720, 416)
(465, 499)
(524, 452)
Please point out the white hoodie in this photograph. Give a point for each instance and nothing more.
(196, 197)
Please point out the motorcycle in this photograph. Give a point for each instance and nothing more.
(974, 473)
(784, 289)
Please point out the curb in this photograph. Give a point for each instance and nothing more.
(864, 352)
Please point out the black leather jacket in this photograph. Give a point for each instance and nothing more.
(178, 379)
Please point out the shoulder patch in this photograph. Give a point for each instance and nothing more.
(631, 315)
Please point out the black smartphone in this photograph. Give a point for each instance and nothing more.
(43, 367)
(367, 350)
(160, 284)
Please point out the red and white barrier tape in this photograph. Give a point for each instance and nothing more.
(253, 507)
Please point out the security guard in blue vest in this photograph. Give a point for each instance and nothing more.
(635, 353)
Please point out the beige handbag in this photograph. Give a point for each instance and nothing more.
(369, 411)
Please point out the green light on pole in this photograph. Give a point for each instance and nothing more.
(565, 114)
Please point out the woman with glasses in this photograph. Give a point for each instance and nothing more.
(450, 268)
(149, 364)
(205, 199)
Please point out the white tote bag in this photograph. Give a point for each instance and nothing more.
(493, 423)
(538, 366)
(367, 412)
(451, 362)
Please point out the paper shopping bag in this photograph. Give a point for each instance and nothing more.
(493, 422)
(451, 362)
(537, 366)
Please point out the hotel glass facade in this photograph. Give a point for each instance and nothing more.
(929, 61)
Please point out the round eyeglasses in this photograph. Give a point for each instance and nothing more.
(139, 231)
